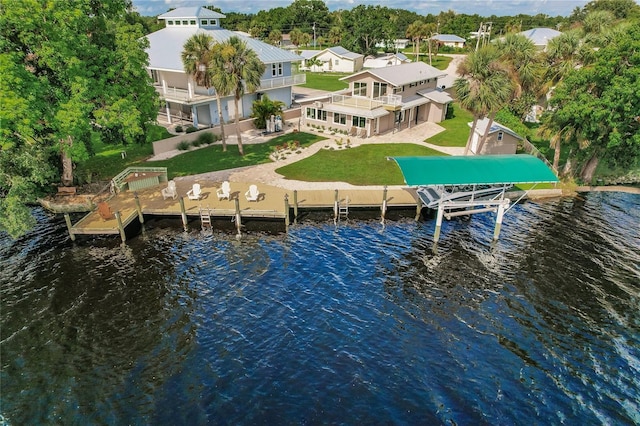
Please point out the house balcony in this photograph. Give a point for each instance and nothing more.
(275, 83)
(184, 96)
(390, 102)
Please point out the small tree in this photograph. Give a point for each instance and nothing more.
(263, 109)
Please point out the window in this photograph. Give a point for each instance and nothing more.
(192, 22)
(413, 84)
(359, 89)
(336, 62)
(177, 22)
(421, 82)
(185, 22)
(169, 22)
(321, 115)
(276, 69)
(500, 136)
(311, 113)
(358, 121)
(204, 22)
(339, 118)
(379, 89)
(398, 89)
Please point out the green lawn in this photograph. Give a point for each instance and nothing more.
(108, 160)
(325, 81)
(439, 61)
(212, 158)
(364, 165)
(457, 129)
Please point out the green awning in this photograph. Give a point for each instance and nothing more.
(468, 170)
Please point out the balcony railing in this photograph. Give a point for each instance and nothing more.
(390, 100)
(274, 83)
(355, 101)
(183, 95)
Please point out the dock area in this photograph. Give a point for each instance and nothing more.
(273, 203)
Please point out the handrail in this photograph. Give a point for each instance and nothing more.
(117, 180)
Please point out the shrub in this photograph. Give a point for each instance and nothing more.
(179, 129)
(450, 113)
(191, 129)
(197, 142)
(184, 145)
(206, 138)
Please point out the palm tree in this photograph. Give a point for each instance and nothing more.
(483, 88)
(416, 32)
(263, 109)
(195, 57)
(240, 70)
(523, 61)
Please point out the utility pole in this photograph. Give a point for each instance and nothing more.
(478, 36)
(314, 35)
(487, 31)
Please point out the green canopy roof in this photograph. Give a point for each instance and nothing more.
(468, 170)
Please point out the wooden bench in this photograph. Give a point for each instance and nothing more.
(66, 190)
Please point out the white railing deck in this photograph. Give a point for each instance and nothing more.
(366, 103)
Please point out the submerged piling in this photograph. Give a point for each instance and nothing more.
(67, 219)
(183, 213)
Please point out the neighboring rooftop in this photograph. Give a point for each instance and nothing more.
(540, 36)
(399, 75)
(448, 38)
(192, 12)
(482, 124)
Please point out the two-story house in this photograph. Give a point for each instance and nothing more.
(186, 100)
(381, 100)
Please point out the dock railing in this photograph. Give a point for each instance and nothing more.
(118, 183)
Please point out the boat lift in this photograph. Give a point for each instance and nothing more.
(464, 185)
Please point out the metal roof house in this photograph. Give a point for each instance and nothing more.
(185, 99)
(334, 59)
(387, 60)
(500, 139)
(540, 36)
(381, 100)
(450, 40)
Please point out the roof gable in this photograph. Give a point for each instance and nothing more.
(482, 124)
(399, 75)
(191, 12)
(165, 47)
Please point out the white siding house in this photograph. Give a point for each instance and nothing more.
(183, 98)
(450, 40)
(382, 100)
(500, 139)
(334, 59)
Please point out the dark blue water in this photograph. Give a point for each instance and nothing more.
(349, 325)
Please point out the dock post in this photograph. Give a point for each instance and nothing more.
(123, 236)
(418, 209)
(138, 207)
(69, 226)
(335, 208)
(496, 231)
(183, 213)
(436, 235)
(286, 211)
(295, 206)
(384, 204)
(238, 217)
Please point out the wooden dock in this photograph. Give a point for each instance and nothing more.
(274, 203)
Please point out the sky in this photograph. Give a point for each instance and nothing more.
(422, 7)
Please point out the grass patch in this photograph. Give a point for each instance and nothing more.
(457, 129)
(440, 62)
(325, 81)
(212, 158)
(364, 165)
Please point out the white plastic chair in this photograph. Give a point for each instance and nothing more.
(170, 191)
(252, 194)
(195, 192)
(224, 191)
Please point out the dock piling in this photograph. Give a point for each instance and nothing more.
(238, 217)
(384, 204)
(286, 211)
(335, 208)
(67, 219)
(436, 235)
(138, 208)
(123, 236)
(183, 213)
(496, 231)
(295, 206)
(418, 208)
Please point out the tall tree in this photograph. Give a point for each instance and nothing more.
(69, 70)
(198, 53)
(241, 71)
(483, 88)
(596, 107)
(416, 32)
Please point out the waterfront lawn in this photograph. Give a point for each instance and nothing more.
(325, 81)
(212, 158)
(108, 161)
(457, 129)
(363, 165)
